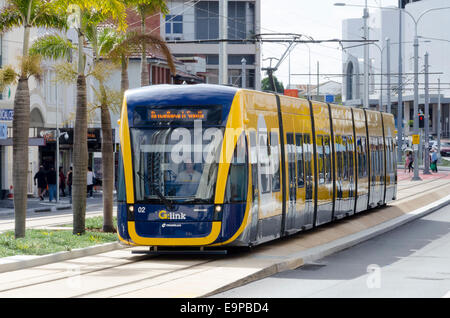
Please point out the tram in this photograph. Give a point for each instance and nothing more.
(210, 166)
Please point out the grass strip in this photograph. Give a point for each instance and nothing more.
(42, 242)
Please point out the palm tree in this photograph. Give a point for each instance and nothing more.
(145, 8)
(108, 45)
(86, 12)
(130, 44)
(26, 14)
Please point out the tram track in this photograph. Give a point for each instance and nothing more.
(87, 274)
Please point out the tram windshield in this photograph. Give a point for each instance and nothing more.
(176, 165)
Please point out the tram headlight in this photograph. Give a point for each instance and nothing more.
(217, 213)
(131, 208)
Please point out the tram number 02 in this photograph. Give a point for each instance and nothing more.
(141, 209)
(246, 307)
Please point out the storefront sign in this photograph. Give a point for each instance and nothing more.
(3, 131)
(6, 114)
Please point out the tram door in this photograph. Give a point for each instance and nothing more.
(308, 219)
(255, 188)
(292, 193)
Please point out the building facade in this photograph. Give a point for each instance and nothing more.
(433, 39)
(199, 20)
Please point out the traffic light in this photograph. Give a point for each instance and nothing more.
(421, 120)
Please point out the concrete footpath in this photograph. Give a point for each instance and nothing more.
(415, 199)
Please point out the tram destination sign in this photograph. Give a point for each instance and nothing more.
(152, 116)
(178, 114)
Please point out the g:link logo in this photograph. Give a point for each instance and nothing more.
(164, 215)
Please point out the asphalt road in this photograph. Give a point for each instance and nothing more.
(410, 261)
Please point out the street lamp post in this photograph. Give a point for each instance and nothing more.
(388, 72)
(426, 163)
(366, 58)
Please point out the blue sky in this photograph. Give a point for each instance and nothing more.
(317, 18)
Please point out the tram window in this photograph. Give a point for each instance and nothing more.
(290, 143)
(300, 168)
(121, 190)
(381, 155)
(326, 146)
(388, 155)
(350, 157)
(236, 187)
(321, 168)
(275, 161)
(307, 156)
(264, 163)
(363, 157)
(345, 157)
(338, 142)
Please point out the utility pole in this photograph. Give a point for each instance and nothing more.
(399, 89)
(366, 58)
(439, 118)
(416, 105)
(426, 169)
(388, 71)
(244, 73)
(318, 82)
(223, 32)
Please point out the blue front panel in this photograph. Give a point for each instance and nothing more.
(122, 225)
(233, 215)
(181, 213)
(171, 229)
(185, 221)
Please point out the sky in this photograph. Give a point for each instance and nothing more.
(319, 19)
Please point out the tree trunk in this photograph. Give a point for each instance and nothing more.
(145, 78)
(124, 82)
(80, 159)
(107, 169)
(21, 124)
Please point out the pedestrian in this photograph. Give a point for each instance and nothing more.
(90, 182)
(406, 161)
(62, 181)
(434, 160)
(40, 176)
(69, 180)
(411, 161)
(51, 180)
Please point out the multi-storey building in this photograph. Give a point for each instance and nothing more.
(433, 39)
(199, 20)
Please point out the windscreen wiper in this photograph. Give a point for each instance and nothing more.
(154, 187)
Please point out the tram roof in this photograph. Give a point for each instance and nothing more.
(181, 95)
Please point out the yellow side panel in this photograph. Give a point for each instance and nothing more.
(125, 145)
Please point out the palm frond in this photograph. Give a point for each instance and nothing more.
(135, 41)
(52, 47)
(101, 71)
(10, 18)
(66, 72)
(31, 66)
(8, 76)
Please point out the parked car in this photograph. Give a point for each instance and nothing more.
(445, 149)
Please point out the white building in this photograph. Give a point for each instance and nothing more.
(434, 38)
(199, 20)
(50, 102)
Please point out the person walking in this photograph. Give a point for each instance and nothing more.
(51, 180)
(40, 176)
(90, 182)
(69, 180)
(62, 181)
(434, 160)
(411, 161)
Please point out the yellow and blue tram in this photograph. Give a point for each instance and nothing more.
(208, 165)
